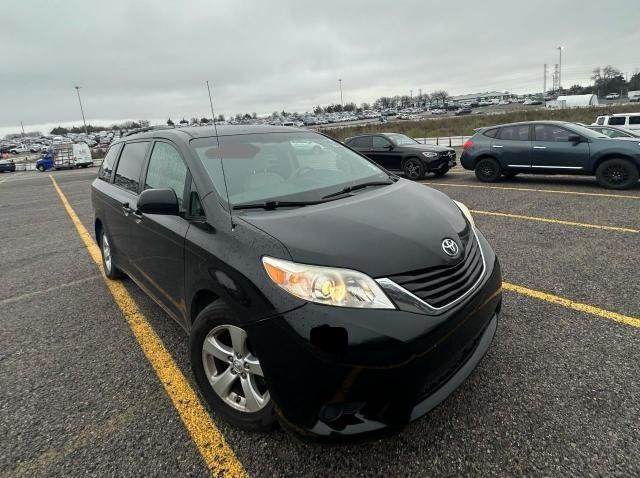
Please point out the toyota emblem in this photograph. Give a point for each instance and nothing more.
(450, 247)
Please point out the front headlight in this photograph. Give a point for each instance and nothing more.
(327, 285)
(466, 212)
(429, 154)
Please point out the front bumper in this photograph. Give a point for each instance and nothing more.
(336, 373)
(441, 162)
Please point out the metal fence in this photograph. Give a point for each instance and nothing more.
(444, 140)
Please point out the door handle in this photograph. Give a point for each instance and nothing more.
(539, 147)
(496, 146)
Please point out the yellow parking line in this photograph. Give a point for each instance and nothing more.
(570, 304)
(536, 190)
(214, 449)
(556, 221)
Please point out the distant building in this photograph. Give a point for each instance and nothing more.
(573, 101)
(486, 96)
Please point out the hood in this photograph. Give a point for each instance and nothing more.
(381, 232)
(426, 147)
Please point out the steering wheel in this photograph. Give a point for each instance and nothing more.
(300, 172)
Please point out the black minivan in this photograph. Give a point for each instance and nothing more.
(312, 295)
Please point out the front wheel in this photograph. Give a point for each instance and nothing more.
(40, 168)
(617, 173)
(488, 170)
(413, 169)
(228, 372)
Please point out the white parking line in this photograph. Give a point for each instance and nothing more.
(29, 295)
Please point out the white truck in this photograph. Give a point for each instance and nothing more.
(634, 96)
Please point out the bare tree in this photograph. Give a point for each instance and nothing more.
(439, 96)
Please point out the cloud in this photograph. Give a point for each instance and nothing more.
(150, 59)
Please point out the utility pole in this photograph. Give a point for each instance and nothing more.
(81, 110)
(560, 48)
(555, 78)
(544, 80)
(22, 126)
(340, 82)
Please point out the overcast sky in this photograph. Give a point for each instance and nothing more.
(139, 59)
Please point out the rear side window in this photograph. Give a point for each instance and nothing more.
(166, 170)
(107, 163)
(362, 142)
(130, 165)
(515, 133)
(617, 120)
(491, 133)
(634, 119)
(380, 142)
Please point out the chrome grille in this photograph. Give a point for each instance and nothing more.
(440, 286)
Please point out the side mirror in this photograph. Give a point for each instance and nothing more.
(158, 201)
(389, 147)
(574, 138)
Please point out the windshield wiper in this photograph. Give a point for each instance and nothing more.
(268, 205)
(355, 187)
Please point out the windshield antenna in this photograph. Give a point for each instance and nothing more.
(224, 178)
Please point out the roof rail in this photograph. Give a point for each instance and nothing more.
(148, 128)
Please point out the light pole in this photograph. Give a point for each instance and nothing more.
(340, 83)
(560, 48)
(81, 110)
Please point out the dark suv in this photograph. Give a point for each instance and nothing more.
(397, 152)
(551, 147)
(307, 297)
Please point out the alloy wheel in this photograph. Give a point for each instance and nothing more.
(106, 252)
(412, 169)
(616, 174)
(232, 370)
(487, 171)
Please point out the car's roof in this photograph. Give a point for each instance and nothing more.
(208, 131)
(385, 133)
(528, 122)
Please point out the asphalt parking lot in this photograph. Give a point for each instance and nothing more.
(557, 394)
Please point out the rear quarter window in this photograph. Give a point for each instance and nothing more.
(491, 133)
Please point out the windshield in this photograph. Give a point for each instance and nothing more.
(301, 166)
(401, 139)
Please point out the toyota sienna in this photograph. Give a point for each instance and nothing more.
(312, 295)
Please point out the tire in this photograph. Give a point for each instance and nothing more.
(40, 168)
(413, 169)
(488, 170)
(106, 249)
(441, 172)
(617, 173)
(214, 326)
